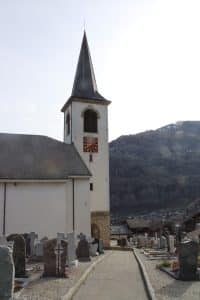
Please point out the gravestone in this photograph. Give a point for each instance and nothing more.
(71, 249)
(83, 249)
(55, 255)
(61, 236)
(197, 226)
(27, 242)
(123, 242)
(6, 273)
(188, 256)
(32, 236)
(171, 244)
(93, 249)
(39, 250)
(19, 254)
(118, 242)
(163, 242)
(4, 242)
(158, 243)
(81, 236)
(100, 247)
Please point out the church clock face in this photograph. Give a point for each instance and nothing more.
(90, 144)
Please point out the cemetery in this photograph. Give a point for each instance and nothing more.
(31, 264)
(177, 258)
(171, 261)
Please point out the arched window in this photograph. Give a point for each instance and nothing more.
(90, 121)
(68, 123)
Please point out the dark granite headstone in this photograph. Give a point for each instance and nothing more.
(6, 273)
(53, 253)
(188, 255)
(123, 242)
(119, 242)
(100, 248)
(19, 254)
(27, 243)
(83, 250)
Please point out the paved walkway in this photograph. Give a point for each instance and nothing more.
(117, 277)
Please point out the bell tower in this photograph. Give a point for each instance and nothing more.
(86, 125)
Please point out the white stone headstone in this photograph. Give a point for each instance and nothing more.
(61, 236)
(4, 242)
(33, 236)
(171, 244)
(39, 246)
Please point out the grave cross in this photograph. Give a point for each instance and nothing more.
(58, 252)
(81, 236)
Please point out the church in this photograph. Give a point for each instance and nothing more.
(48, 186)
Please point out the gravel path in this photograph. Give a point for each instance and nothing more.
(117, 277)
(167, 288)
(54, 288)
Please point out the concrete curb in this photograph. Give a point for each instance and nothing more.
(73, 290)
(145, 277)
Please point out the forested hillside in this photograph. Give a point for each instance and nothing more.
(155, 169)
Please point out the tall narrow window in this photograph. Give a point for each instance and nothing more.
(68, 123)
(91, 186)
(90, 121)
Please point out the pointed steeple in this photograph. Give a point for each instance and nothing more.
(84, 82)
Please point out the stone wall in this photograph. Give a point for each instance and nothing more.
(102, 220)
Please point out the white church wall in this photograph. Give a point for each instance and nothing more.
(69, 206)
(82, 207)
(39, 207)
(100, 165)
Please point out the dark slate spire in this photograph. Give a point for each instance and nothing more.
(84, 82)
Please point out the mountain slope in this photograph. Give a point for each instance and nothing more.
(155, 169)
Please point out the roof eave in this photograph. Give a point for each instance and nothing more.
(14, 180)
(85, 100)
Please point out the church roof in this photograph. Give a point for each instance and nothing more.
(35, 157)
(84, 82)
(85, 86)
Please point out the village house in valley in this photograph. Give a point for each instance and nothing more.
(48, 186)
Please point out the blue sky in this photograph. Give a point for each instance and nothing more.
(145, 55)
